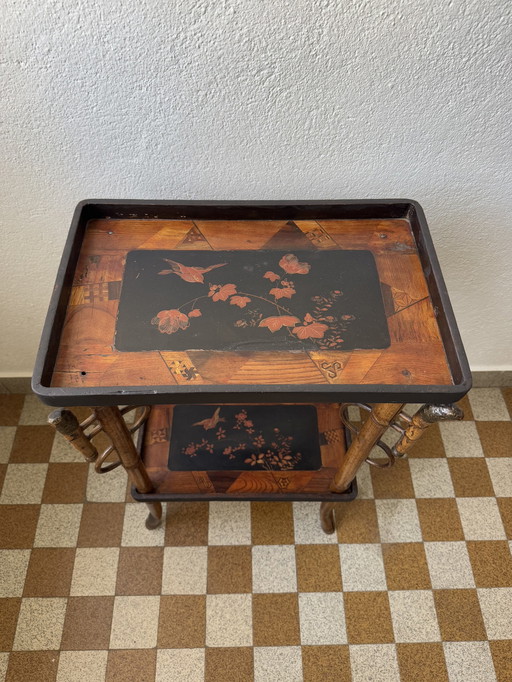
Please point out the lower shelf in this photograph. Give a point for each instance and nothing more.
(243, 452)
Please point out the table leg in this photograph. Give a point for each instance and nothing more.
(359, 450)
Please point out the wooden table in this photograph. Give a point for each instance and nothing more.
(248, 327)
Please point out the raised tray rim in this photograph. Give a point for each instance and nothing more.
(250, 210)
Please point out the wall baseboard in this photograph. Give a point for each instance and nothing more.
(487, 379)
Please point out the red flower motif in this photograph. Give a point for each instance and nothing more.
(271, 276)
(195, 313)
(221, 293)
(292, 266)
(277, 321)
(286, 292)
(169, 321)
(240, 301)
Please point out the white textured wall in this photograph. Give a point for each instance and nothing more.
(259, 99)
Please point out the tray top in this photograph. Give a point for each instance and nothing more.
(204, 308)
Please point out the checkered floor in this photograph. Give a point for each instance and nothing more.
(417, 584)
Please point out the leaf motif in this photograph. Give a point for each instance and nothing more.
(221, 293)
(240, 301)
(169, 321)
(316, 330)
(271, 276)
(276, 322)
(195, 313)
(286, 292)
(292, 266)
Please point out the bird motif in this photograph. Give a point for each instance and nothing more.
(211, 422)
(186, 272)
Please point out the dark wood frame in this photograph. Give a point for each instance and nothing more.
(275, 210)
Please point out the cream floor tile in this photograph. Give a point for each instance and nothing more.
(362, 567)
(277, 664)
(13, 569)
(95, 571)
(58, 525)
(40, 624)
(412, 408)
(134, 623)
(82, 666)
(7, 434)
(469, 662)
(185, 570)
(229, 523)
(496, 605)
(23, 484)
(306, 517)
(180, 665)
(135, 533)
(273, 568)
(110, 487)
(229, 620)
(322, 618)
(449, 565)
(374, 663)
(480, 518)
(431, 478)
(63, 452)
(460, 439)
(500, 471)
(364, 483)
(488, 405)
(414, 616)
(398, 521)
(4, 659)
(34, 412)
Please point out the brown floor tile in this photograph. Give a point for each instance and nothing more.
(49, 572)
(466, 408)
(459, 615)
(368, 618)
(357, 522)
(18, 523)
(187, 524)
(101, 524)
(87, 623)
(326, 664)
(406, 566)
(224, 664)
(423, 661)
(507, 397)
(9, 609)
(496, 438)
(139, 571)
(275, 620)
(491, 562)
(393, 483)
(32, 666)
(182, 622)
(127, 665)
(65, 483)
(272, 523)
(470, 477)
(429, 445)
(32, 444)
(505, 507)
(10, 409)
(318, 568)
(439, 520)
(229, 570)
(502, 658)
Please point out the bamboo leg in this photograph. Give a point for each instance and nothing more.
(359, 450)
(66, 423)
(114, 426)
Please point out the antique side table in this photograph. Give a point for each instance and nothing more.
(241, 332)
